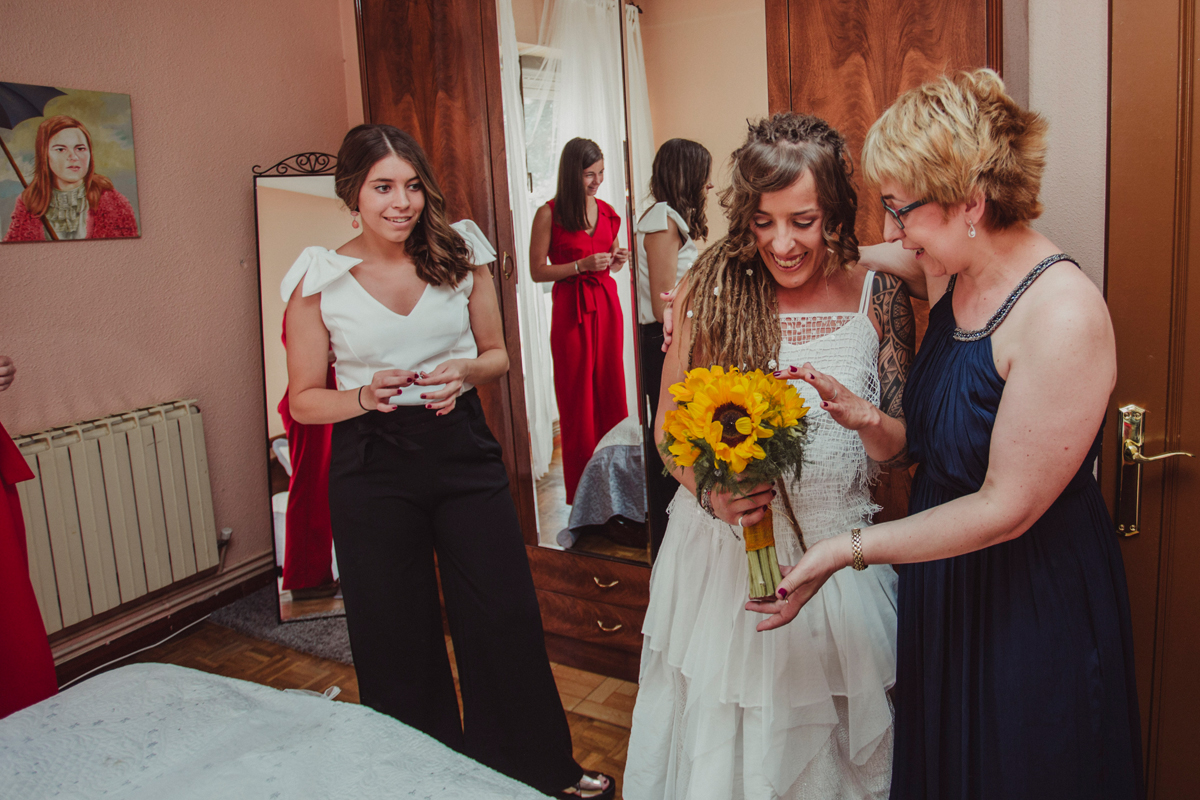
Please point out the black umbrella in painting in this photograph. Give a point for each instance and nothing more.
(19, 102)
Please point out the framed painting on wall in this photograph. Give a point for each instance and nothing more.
(67, 170)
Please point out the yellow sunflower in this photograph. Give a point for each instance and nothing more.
(726, 410)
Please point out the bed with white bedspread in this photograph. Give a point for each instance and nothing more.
(156, 731)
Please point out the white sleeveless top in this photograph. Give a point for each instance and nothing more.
(367, 336)
(653, 221)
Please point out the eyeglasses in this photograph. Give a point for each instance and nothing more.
(897, 213)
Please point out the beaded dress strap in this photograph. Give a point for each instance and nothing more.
(987, 330)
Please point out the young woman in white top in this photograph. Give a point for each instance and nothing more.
(415, 471)
(666, 242)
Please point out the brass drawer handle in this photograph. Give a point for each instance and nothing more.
(604, 585)
(613, 629)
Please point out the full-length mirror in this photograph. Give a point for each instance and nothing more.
(295, 208)
(627, 116)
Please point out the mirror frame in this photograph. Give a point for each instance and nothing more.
(296, 166)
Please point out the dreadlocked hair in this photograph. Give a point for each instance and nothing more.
(731, 294)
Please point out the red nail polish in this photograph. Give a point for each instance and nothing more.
(824, 404)
(782, 593)
(427, 405)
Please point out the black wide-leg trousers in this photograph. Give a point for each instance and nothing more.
(403, 486)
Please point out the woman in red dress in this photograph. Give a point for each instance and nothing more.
(27, 669)
(574, 244)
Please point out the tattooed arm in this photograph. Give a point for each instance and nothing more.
(891, 311)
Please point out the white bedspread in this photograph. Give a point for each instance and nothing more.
(161, 732)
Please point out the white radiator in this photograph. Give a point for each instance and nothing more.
(119, 507)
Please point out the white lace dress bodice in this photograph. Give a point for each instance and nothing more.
(834, 490)
(801, 712)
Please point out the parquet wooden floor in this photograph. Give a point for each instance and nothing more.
(599, 708)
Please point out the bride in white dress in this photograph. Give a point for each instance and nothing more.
(803, 711)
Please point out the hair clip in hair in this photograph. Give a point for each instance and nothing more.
(750, 271)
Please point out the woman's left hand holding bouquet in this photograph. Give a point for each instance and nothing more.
(745, 509)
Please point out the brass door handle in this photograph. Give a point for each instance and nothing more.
(1129, 476)
(1133, 453)
(604, 585)
(506, 265)
(613, 629)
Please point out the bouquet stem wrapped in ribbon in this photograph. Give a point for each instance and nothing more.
(738, 430)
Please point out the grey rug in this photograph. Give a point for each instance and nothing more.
(256, 615)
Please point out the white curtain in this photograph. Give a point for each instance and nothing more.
(531, 308)
(641, 128)
(585, 98)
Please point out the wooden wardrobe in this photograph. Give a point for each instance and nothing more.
(432, 67)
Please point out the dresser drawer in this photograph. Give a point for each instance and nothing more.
(615, 583)
(599, 623)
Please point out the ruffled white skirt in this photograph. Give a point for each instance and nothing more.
(724, 711)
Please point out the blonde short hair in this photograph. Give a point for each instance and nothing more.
(958, 134)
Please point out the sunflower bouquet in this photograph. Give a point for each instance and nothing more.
(738, 429)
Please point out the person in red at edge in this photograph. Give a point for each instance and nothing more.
(576, 233)
(66, 192)
(27, 668)
(308, 543)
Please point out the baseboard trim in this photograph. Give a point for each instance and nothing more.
(123, 634)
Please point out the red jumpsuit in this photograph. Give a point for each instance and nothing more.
(26, 666)
(308, 540)
(587, 338)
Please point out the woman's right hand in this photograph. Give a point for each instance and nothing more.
(597, 262)
(385, 385)
(742, 509)
(8, 371)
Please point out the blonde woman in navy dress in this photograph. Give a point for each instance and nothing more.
(415, 471)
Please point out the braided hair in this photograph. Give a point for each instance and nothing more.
(731, 294)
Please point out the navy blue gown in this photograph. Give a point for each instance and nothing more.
(1015, 663)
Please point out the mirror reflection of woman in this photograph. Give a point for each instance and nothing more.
(414, 470)
(722, 710)
(574, 244)
(666, 241)
(66, 193)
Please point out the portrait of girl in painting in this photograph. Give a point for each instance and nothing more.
(67, 198)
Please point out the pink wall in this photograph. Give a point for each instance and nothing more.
(217, 87)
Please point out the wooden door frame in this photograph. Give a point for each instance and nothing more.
(1152, 120)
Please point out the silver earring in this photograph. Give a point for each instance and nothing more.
(971, 229)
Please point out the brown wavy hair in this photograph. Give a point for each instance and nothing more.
(440, 254)
(731, 292)
(680, 173)
(570, 199)
(959, 134)
(37, 195)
